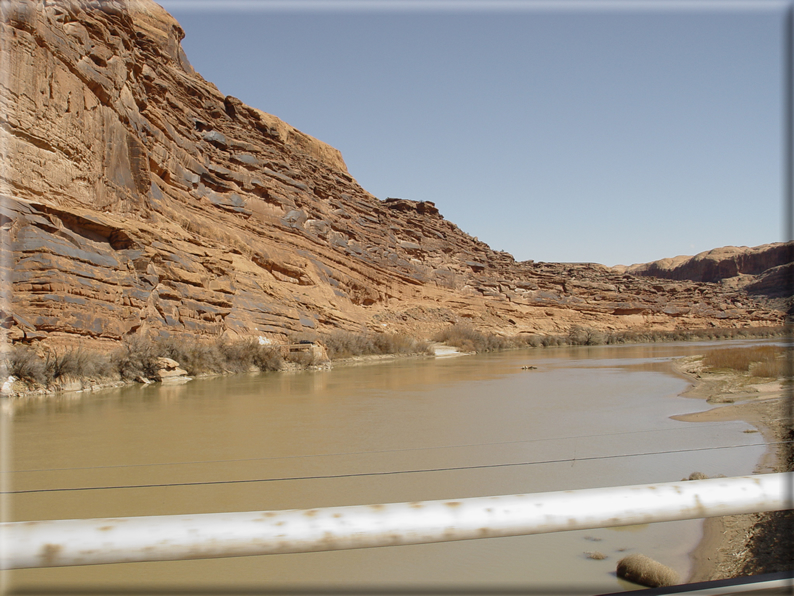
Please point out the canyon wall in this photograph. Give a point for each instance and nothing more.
(765, 272)
(135, 197)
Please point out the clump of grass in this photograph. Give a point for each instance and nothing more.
(761, 361)
(773, 369)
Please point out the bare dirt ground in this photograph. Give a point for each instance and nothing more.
(738, 545)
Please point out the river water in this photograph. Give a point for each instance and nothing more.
(586, 417)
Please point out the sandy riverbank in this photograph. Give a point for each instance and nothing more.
(739, 545)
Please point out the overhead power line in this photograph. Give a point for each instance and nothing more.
(388, 473)
(376, 452)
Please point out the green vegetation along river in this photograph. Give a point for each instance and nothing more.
(585, 417)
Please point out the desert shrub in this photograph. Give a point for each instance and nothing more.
(243, 355)
(550, 340)
(24, 363)
(237, 356)
(76, 363)
(267, 358)
(194, 356)
(468, 339)
(584, 336)
(399, 343)
(307, 358)
(341, 344)
(137, 357)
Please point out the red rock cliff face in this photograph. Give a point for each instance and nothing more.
(138, 198)
(765, 271)
(718, 264)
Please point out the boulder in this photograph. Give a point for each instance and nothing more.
(644, 571)
(169, 370)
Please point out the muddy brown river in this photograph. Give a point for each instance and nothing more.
(586, 417)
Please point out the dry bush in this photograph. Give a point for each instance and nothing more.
(266, 358)
(550, 340)
(306, 359)
(194, 356)
(584, 336)
(23, 363)
(399, 343)
(137, 357)
(242, 356)
(343, 344)
(468, 339)
(201, 357)
(78, 363)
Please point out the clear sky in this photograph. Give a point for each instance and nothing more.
(613, 132)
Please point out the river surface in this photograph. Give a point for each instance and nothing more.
(586, 417)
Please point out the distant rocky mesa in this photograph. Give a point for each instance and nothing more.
(137, 198)
(763, 271)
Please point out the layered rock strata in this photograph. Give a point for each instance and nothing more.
(137, 198)
(765, 272)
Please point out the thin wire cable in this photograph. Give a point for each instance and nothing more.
(388, 473)
(341, 454)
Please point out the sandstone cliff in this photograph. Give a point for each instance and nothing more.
(136, 198)
(765, 272)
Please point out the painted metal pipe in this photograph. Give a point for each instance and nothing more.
(175, 537)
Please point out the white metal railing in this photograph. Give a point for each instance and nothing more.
(174, 537)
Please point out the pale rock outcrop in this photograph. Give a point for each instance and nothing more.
(168, 370)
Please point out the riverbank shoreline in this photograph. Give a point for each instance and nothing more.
(726, 549)
(24, 391)
(42, 370)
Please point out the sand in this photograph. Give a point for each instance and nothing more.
(739, 545)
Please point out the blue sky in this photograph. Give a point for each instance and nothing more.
(613, 132)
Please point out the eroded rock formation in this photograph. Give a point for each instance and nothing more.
(765, 272)
(136, 197)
